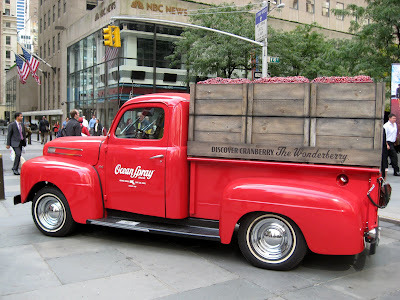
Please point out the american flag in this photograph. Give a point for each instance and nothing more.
(111, 54)
(33, 64)
(22, 68)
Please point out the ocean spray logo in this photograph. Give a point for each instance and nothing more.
(134, 173)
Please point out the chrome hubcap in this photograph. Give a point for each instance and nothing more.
(271, 239)
(50, 212)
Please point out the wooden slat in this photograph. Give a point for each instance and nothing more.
(244, 113)
(306, 132)
(306, 100)
(249, 120)
(218, 123)
(219, 91)
(353, 157)
(281, 108)
(345, 91)
(380, 100)
(313, 132)
(346, 127)
(313, 100)
(225, 137)
(378, 136)
(344, 142)
(219, 107)
(278, 125)
(191, 128)
(292, 91)
(345, 109)
(193, 88)
(278, 139)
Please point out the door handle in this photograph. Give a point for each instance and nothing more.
(157, 156)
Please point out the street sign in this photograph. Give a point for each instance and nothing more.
(273, 59)
(261, 24)
(257, 74)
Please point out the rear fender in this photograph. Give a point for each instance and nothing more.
(78, 181)
(327, 219)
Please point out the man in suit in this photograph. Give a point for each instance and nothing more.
(16, 139)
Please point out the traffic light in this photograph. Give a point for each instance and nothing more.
(107, 36)
(116, 37)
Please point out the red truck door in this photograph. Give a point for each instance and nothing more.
(135, 161)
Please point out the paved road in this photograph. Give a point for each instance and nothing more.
(104, 263)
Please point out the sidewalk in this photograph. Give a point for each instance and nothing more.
(391, 213)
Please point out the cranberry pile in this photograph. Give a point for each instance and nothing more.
(290, 79)
(343, 79)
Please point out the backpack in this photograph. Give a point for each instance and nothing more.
(62, 132)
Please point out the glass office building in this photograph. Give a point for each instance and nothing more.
(101, 79)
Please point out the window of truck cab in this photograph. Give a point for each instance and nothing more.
(141, 123)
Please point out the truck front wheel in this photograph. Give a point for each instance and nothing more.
(51, 213)
(271, 241)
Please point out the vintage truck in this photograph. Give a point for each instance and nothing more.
(280, 164)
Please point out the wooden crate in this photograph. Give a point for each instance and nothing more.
(319, 123)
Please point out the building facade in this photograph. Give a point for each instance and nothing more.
(8, 45)
(87, 76)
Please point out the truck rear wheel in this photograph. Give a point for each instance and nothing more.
(271, 241)
(51, 213)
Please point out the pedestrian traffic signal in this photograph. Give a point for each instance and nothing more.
(116, 36)
(107, 36)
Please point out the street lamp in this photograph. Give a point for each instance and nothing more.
(265, 46)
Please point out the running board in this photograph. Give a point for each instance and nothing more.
(199, 232)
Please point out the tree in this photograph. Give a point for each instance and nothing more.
(377, 41)
(206, 52)
(302, 52)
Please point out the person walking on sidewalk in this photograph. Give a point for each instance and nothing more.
(73, 127)
(391, 135)
(44, 128)
(16, 139)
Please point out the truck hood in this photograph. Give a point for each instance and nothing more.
(84, 149)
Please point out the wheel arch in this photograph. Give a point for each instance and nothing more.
(310, 209)
(78, 182)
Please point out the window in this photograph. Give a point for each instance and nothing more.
(65, 6)
(44, 22)
(7, 11)
(40, 25)
(40, 51)
(141, 123)
(44, 50)
(54, 44)
(8, 40)
(58, 41)
(59, 8)
(310, 6)
(295, 4)
(8, 54)
(48, 47)
(54, 13)
(7, 1)
(339, 6)
(48, 16)
(145, 53)
(325, 8)
(8, 24)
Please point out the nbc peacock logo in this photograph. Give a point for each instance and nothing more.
(137, 4)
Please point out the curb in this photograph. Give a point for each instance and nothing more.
(389, 220)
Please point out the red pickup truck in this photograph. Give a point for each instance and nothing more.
(139, 177)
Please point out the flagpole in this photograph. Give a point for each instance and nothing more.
(53, 68)
(23, 58)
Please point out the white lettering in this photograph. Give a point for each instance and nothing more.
(134, 173)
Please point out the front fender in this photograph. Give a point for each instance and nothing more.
(329, 217)
(78, 181)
